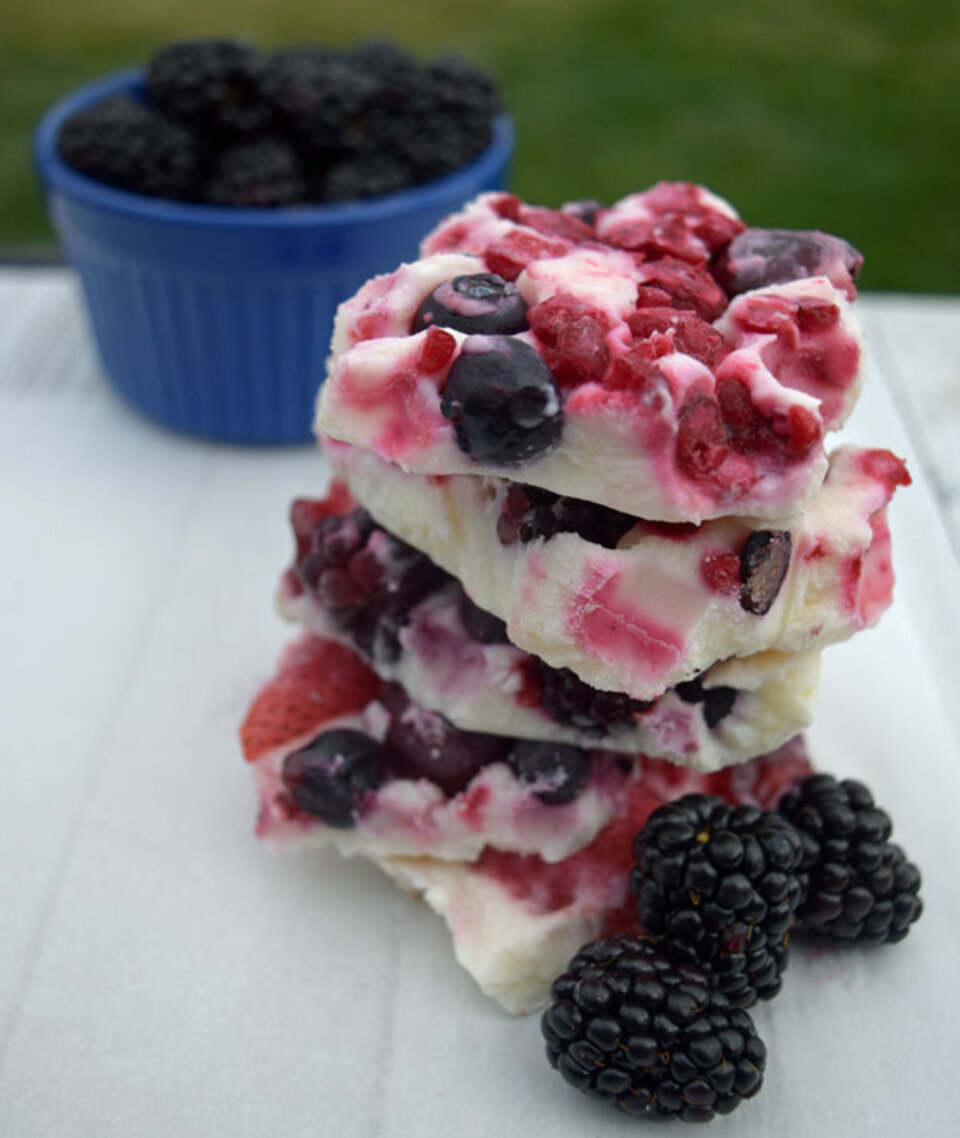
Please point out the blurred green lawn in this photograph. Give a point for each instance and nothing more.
(842, 115)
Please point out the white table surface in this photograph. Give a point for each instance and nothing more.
(161, 975)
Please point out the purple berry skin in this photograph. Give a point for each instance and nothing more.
(482, 304)
(503, 402)
(756, 258)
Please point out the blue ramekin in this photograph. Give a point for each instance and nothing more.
(216, 321)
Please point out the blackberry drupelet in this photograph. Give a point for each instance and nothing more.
(125, 144)
(266, 172)
(719, 885)
(571, 702)
(213, 85)
(861, 886)
(368, 579)
(650, 1036)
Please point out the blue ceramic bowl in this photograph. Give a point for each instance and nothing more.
(216, 321)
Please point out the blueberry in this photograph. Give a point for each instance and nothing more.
(717, 702)
(423, 744)
(759, 257)
(763, 565)
(333, 776)
(479, 304)
(503, 401)
(556, 772)
(480, 624)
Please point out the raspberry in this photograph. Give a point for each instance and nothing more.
(701, 441)
(628, 1026)
(688, 333)
(689, 286)
(719, 884)
(124, 144)
(861, 886)
(573, 335)
(214, 86)
(509, 256)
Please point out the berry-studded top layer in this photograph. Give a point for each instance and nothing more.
(356, 583)
(637, 606)
(655, 357)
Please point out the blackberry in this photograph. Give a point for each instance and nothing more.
(861, 886)
(502, 401)
(719, 885)
(332, 778)
(556, 772)
(529, 513)
(423, 744)
(482, 303)
(266, 172)
(434, 118)
(652, 1037)
(365, 176)
(321, 98)
(573, 703)
(125, 144)
(212, 85)
(367, 579)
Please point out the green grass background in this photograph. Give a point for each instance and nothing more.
(842, 115)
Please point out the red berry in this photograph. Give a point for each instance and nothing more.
(318, 680)
(437, 350)
(306, 512)
(815, 315)
(690, 286)
(747, 429)
(573, 335)
(509, 256)
(701, 442)
(720, 572)
(804, 431)
(689, 333)
(553, 223)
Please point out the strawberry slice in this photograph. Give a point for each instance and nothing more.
(318, 680)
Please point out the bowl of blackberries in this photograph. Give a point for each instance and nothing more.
(220, 203)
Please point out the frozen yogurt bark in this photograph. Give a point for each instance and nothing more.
(515, 920)
(342, 759)
(638, 607)
(354, 582)
(616, 358)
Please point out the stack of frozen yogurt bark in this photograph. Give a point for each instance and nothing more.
(584, 544)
